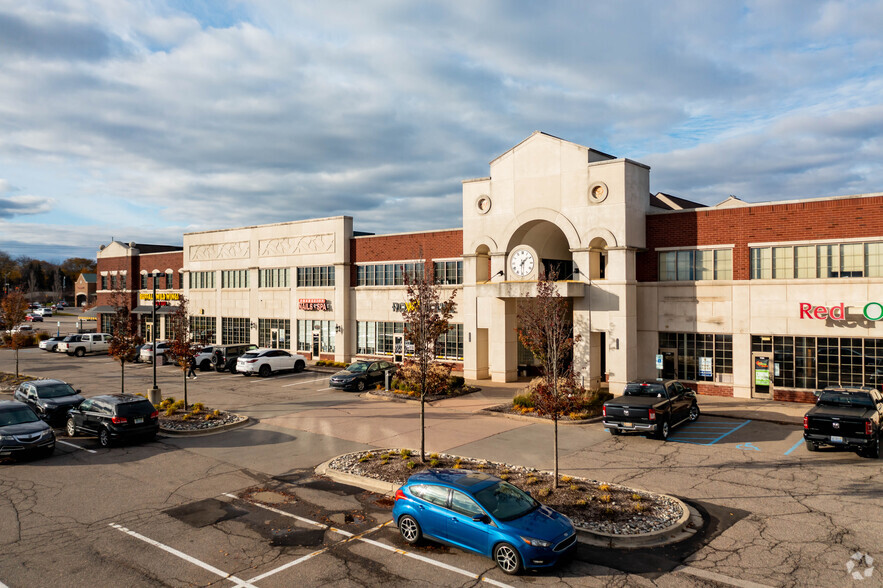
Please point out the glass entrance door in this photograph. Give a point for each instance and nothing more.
(669, 369)
(762, 383)
(398, 354)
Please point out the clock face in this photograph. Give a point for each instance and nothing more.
(522, 262)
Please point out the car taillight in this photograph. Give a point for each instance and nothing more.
(868, 428)
(249, 360)
(154, 414)
(651, 414)
(805, 422)
(400, 495)
(118, 420)
(603, 411)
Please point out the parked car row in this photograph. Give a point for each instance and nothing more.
(26, 422)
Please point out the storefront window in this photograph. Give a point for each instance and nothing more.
(327, 332)
(817, 362)
(378, 338)
(274, 333)
(235, 330)
(701, 357)
(202, 329)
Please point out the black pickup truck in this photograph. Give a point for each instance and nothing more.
(650, 406)
(846, 417)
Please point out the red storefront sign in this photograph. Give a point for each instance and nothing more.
(313, 304)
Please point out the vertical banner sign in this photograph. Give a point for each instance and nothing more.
(761, 371)
(659, 361)
(705, 367)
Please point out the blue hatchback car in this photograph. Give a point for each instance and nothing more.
(484, 514)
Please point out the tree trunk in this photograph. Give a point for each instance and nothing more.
(122, 376)
(555, 427)
(185, 388)
(16, 362)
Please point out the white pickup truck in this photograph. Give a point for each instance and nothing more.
(87, 343)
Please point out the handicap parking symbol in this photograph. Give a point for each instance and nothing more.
(748, 446)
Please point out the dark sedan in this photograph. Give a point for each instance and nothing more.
(362, 374)
(114, 417)
(50, 399)
(22, 432)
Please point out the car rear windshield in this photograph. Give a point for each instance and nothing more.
(862, 399)
(17, 416)
(654, 390)
(131, 409)
(55, 391)
(250, 354)
(357, 368)
(505, 502)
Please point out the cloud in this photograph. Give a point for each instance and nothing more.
(23, 205)
(223, 114)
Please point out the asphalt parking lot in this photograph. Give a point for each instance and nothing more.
(243, 508)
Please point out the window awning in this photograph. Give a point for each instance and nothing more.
(94, 311)
(159, 309)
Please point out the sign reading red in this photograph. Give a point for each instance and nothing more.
(836, 313)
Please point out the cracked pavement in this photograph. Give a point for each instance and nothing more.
(797, 519)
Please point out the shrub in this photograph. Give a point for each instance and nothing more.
(438, 378)
(208, 416)
(582, 502)
(531, 480)
(384, 456)
(186, 417)
(42, 336)
(456, 382)
(170, 410)
(411, 465)
(433, 463)
(575, 487)
(178, 404)
(603, 487)
(640, 508)
(198, 406)
(457, 466)
(523, 401)
(405, 453)
(544, 492)
(504, 477)
(605, 498)
(637, 497)
(433, 456)
(567, 479)
(609, 512)
(216, 413)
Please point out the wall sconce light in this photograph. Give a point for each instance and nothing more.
(338, 328)
(254, 325)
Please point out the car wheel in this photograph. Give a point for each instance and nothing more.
(810, 446)
(299, 366)
(615, 432)
(360, 385)
(663, 431)
(264, 371)
(71, 428)
(410, 529)
(104, 438)
(507, 558)
(80, 352)
(205, 365)
(694, 413)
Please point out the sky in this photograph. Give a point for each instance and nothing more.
(143, 120)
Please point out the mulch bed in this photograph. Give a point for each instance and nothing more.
(594, 505)
(403, 395)
(201, 419)
(590, 413)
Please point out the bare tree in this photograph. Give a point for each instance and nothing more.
(182, 341)
(546, 330)
(124, 340)
(13, 310)
(426, 319)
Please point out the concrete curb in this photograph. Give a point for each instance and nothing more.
(204, 432)
(687, 525)
(534, 419)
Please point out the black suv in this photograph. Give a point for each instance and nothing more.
(362, 374)
(224, 356)
(50, 399)
(114, 417)
(22, 431)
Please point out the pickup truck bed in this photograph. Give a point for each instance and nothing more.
(846, 418)
(650, 407)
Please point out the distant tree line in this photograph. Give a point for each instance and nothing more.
(34, 276)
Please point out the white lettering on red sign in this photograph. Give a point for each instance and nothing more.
(313, 304)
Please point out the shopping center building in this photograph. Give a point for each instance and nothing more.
(769, 300)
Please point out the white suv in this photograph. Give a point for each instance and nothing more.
(266, 361)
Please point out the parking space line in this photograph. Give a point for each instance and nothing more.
(796, 445)
(729, 432)
(2, 585)
(299, 382)
(286, 514)
(75, 446)
(239, 583)
(315, 553)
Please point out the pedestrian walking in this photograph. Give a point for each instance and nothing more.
(191, 364)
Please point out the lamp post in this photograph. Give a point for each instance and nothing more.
(154, 395)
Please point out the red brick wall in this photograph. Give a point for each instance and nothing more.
(428, 246)
(711, 389)
(794, 396)
(799, 221)
(134, 265)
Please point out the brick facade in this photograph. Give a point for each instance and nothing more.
(428, 246)
(796, 221)
(133, 265)
(707, 389)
